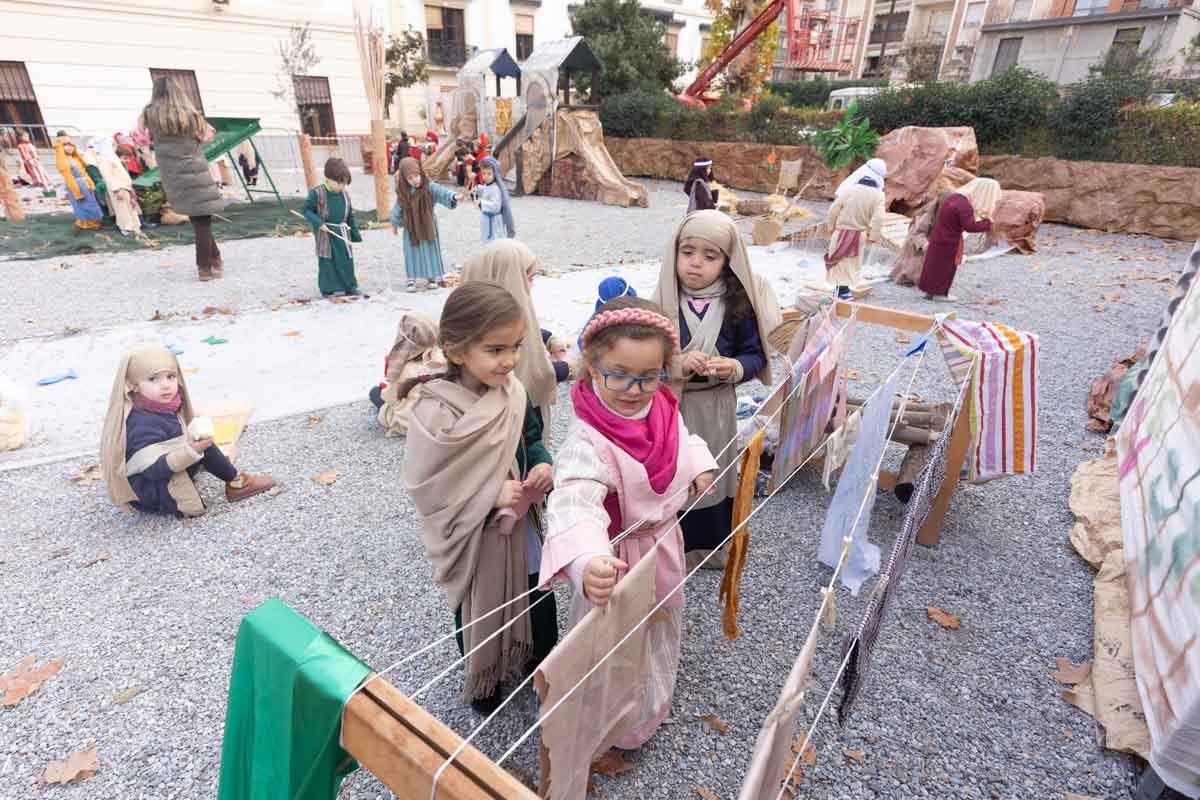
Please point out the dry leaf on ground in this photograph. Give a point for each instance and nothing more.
(943, 618)
(328, 477)
(1099, 307)
(87, 475)
(1111, 298)
(121, 698)
(24, 680)
(706, 794)
(314, 420)
(1069, 673)
(903, 338)
(810, 753)
(78, 767)
(104, 556)
(611, 764)
(714, 722)
(857, 756)
(851, 374)
(292, 333)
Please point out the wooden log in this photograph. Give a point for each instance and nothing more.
(306, 162)
(8, 195)
(904, 434)
(910, 466)
(403, 746)
(383, 195)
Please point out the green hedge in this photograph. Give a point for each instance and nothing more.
(1165, 136)
(814, 93)
(649, 113)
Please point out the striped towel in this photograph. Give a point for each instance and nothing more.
(1001, 365)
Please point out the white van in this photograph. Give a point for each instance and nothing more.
(840, 99)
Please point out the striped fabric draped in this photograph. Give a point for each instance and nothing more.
(1000, 363)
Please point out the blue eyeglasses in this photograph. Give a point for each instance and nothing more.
(621, 382)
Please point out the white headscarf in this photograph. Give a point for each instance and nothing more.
(875, 169)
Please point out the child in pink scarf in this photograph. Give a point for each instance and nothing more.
(628, 462)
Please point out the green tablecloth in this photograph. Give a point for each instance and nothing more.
(284, 718)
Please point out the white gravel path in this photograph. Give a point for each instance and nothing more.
(965, 714)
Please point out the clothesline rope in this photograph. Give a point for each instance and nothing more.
(616, 540)
(825, 596)
(529, 731)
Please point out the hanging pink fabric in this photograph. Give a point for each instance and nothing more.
(849, 244)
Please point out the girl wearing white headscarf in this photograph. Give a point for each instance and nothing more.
(874, 171)
(150, 450)
(968, 210)
(724, 314)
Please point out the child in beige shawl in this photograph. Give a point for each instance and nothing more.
(153, 445)
(509, 263)
(723, 328)
(474, 465)
(414, 353)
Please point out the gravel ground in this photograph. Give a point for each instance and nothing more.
(970, 713)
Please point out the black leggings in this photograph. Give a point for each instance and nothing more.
(207, 253)
(216, 464)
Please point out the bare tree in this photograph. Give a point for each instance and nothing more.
(297, 55)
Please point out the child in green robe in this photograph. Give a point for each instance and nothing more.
(328, 211)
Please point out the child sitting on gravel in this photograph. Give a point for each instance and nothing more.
(474, 465)
(628, 462)
(414, 353)
(153, 446)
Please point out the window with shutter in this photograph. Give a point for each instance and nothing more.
(1006, 55)
(186, 79)
(18, 103)
(314, 102)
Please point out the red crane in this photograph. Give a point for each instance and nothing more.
(816, 42)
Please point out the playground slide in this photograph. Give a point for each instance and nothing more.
(580, 132)
(230, 132)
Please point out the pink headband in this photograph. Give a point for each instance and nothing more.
(630, 316)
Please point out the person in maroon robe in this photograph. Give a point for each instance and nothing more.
(968, 210)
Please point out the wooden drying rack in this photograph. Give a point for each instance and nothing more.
(404, 746)
(960, 437)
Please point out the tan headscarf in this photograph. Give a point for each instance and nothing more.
(714, 226)
(416, 205)
(461, 448)
(984, 194)
(416, 334)
(138, 364)
(505, 263)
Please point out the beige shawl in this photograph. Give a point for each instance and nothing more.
(461, 448)
(138, 364)
(505, 262)
(716, 227)
(984, 194)
(859, 209)
(416, 334)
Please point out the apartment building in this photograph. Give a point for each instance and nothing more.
(87, 66)
(1061, 39)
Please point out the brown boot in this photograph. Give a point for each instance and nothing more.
(693, 558)
(218, 269)
(244, 486)
(206, 273)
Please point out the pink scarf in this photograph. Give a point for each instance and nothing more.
(170, 407)
(653, 441)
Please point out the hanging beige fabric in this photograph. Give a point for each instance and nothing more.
(433, 18)
(523, 24)
(610, 699)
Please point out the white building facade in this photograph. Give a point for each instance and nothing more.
(87, 67)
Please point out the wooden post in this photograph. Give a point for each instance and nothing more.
(306, 161)
(379, 159)
(566, 73)
(403, 746)
(595, 98)
(12, 203)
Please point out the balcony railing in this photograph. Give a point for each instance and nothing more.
(447, 54)
(892, 36)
